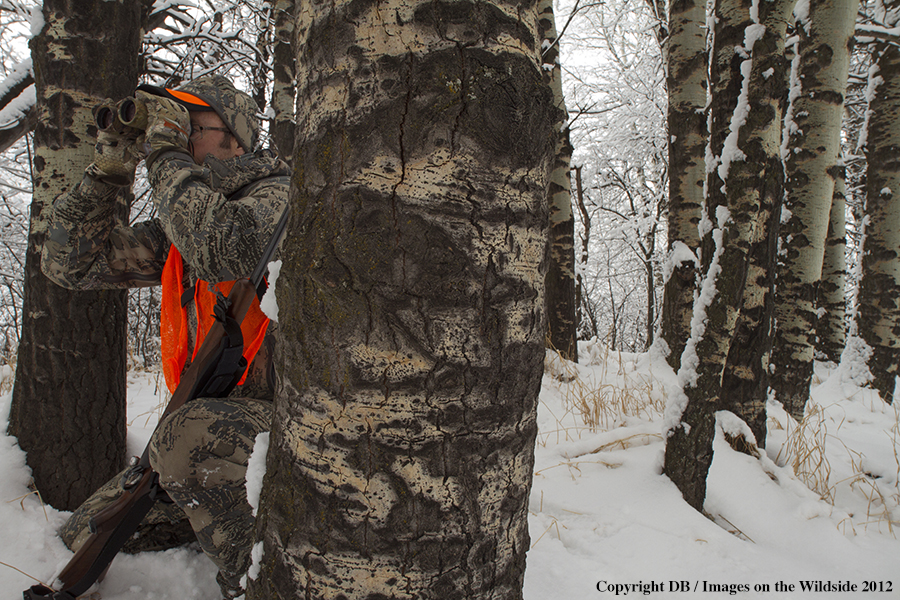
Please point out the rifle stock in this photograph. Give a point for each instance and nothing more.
(107, 530)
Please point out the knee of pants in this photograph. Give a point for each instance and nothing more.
(209, 437)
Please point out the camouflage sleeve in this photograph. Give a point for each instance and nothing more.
(86, 247)
(221, 214)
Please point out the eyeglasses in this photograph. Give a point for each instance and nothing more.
(197, 131)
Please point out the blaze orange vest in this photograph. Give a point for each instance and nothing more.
(173, 320)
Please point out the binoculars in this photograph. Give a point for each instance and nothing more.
(127, 113)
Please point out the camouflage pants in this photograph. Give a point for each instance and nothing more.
(201, 453)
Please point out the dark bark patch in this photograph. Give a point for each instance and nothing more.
(471, 22)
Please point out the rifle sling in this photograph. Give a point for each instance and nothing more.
(224, 374)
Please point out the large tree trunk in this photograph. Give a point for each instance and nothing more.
(686, 84)
(741, 189)
(68, 407)
(412, 341)
(879, 293)
(811, 157)
(561, 308)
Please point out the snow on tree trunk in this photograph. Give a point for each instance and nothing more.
(686, 84)
(811, 154)
(879, 293)
(411, 305)
(68, 407)
(560, 285)
(831, 326)
(729, 322)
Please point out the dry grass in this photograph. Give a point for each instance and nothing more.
(880, 502)
(805, 451)
(18, 570)
(601, 401)
(8, 374)
(155, 413)
(33, 492)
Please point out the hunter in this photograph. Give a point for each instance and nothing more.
(218, 199)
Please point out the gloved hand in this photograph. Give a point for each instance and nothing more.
(168, 126)
(116, 154)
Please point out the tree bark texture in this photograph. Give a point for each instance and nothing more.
(831, 325)
(745, 377)
(811, 157)
(283, 75)
(260, 71)
(68, 407)
(584, 315)
(560, 286)
(412, 341)
(879, 293)
(728, 352)
(686, 84)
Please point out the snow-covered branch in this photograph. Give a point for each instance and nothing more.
(17, 99)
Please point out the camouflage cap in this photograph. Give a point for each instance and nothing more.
(236, 108)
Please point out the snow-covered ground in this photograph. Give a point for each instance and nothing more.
(603, 519)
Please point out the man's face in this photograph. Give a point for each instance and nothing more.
(218, 143)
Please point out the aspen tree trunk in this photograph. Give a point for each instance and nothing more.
(283, 74)
(587, 325)
(811, 157)
(879, 293)
(412, 337)
(264, 41)
(658, 8)
(831, 326)
(68, 407)
(686, 83)
(560, 286)
(747, 56)
(745, 376)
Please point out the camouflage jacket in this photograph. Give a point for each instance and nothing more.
(220, 215)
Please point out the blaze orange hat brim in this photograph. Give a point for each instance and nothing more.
(189, 101)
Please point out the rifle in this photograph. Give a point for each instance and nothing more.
(213, 373)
